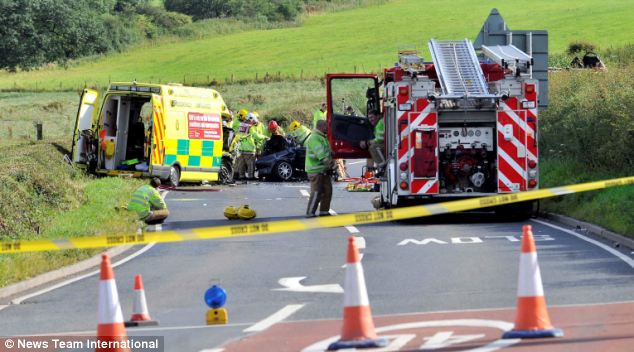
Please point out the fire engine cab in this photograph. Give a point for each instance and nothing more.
(462, 125)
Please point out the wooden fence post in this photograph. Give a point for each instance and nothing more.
(38, 131)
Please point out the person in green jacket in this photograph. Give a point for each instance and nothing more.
(319, 115)
(376, 146)
(147, 202)
(298, 132)
(318, 166)
(246, 142)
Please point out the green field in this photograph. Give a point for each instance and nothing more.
(363, 39)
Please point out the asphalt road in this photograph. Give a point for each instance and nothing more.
(455, 263)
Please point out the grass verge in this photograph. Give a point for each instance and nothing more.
(42, 197)
(610, 208)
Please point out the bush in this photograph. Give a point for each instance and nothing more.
(580, 46)
(167, 21)
(590, 119)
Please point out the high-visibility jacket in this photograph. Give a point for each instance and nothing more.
(318, 115)
(300, 134)
(247, 138)
(235, 124)
(318, 153)
(145, 199)
(379, 131)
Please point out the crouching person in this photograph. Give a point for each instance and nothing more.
(148, 204)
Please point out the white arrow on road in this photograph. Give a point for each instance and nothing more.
(294, 284)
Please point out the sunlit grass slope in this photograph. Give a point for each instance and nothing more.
(365, 38)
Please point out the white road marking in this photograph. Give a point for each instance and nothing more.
(356, 162)
(304, 192)
(294, 284)
(350, 228)
(73, 280)
(616, 253)
(293, 186)
(274, 318)
(476, 323)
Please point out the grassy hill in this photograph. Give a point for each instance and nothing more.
(363, 39)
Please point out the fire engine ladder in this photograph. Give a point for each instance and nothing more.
(458, 69)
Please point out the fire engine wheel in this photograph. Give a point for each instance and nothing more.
(226, 172)
(175, 176)
(283, 170)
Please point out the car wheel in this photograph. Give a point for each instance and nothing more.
(283, 170)
(226, 172)
(175, 176)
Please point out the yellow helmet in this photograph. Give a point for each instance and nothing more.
(242, 114)
(294, 125)
(231, 213)
(245, 213)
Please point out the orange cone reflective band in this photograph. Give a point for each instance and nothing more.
(358, 325)
(532, 315)
(140, 313)
(110, 328)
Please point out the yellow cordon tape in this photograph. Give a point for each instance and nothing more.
(263, 228)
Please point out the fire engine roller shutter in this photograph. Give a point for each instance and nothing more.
(424, 159)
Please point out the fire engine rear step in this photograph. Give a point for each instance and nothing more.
(458, 68)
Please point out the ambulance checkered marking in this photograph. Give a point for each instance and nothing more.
(193, 153)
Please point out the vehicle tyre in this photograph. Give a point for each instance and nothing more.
(174, 177)
(283, 170)
(226, 172)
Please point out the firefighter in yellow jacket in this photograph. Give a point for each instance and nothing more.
(246, 142)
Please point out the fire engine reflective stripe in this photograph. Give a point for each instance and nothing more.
(421, 119)
(263, 228)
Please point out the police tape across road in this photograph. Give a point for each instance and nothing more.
(263, 228)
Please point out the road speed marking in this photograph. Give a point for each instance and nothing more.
(467, 240)
(446, 338)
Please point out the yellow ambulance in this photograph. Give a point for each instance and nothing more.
(144, 130)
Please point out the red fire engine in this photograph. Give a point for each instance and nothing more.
(463, 125)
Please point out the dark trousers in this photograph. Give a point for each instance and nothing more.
(320, 194)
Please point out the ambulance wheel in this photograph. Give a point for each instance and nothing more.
(175, 176)
(226, 172)
(283, 170)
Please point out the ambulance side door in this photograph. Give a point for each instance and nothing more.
(85, 124)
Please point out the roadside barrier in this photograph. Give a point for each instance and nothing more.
(532, 319)
(296, 225)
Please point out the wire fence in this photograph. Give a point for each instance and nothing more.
(190, 79)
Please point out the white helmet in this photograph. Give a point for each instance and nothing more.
(251, 117)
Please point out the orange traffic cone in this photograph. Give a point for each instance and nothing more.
(110, 329)
(358, 326)
(140, 314)
(532, 315)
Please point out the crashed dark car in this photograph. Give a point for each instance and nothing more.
(281, 161)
